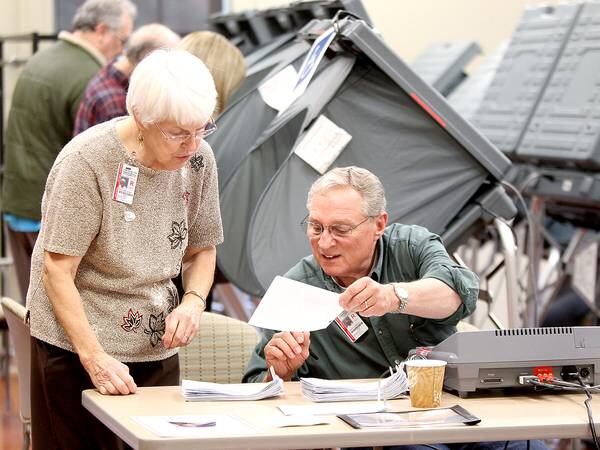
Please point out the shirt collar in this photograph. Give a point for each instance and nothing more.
(374, 273)
(72, 39)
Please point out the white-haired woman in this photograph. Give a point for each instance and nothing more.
(127, 204)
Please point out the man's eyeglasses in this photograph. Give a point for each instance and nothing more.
(122, 39)
(209, 128)
(314, 229)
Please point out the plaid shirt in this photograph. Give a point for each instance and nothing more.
(104, 99)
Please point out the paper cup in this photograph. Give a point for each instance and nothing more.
(425, 381)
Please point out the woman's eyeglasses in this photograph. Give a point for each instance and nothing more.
(209, 128)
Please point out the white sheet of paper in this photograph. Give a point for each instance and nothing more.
(193, 425)
(289, 305)
(298, 421)
(332, 408)
(322, 144)
(277, 91)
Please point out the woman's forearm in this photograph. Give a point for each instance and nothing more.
(58, 278)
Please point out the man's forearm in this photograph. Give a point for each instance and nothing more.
(431, 298)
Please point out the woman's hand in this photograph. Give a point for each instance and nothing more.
(109, 375)
(181, 326)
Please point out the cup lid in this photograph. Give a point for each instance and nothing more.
(425, 363)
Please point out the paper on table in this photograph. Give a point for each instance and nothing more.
(193, 425)
(298, 421)
(293, 306)
(204, 390)
(320, 390)
(331, 408)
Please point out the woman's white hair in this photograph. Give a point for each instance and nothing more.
(361, 180)
(171, 85)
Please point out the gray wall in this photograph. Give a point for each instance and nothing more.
(181, 16)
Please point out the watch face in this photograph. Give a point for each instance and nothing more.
(402, 293)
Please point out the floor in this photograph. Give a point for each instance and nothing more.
(11, 435)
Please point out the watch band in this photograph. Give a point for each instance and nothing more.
(402, 295)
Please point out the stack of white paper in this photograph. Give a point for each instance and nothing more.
(199, 391)
(319, 390)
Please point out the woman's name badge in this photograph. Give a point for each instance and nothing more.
(125, 183)
(351, 324)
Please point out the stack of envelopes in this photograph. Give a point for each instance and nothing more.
(319, 390)
(199, 391)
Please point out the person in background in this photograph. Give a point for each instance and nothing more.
(224, 60)
(104, 97)
(228, 68)
(398, 287)
(102, 309)
(42, 113)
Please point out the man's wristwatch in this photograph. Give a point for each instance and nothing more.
(402, 295)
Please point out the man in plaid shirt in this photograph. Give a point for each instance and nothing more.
(104, 97)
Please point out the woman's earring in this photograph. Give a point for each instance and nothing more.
(140, 137)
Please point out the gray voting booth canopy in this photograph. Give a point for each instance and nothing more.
(246, 118)
(436, 169)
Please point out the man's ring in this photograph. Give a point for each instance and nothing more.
(367, 304)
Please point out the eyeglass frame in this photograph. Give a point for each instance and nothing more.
(117, 33)
(184, 137)
(305, 222)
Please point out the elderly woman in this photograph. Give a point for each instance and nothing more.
(102, 307)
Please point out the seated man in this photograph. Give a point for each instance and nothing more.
(398, 278)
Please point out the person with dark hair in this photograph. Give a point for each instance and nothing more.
(44, 104)
(104, 97)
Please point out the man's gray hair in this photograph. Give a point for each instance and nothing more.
(148, 38)
(93, 12)
(361, 180)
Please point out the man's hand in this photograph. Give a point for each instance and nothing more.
(369, 298)
(286, 352)
(182, 324)
(109, 375)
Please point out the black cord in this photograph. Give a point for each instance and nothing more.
(562, 385)
(588, 407)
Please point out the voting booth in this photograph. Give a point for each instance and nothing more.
(438, 171)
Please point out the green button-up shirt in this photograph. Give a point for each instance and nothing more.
(404, 253)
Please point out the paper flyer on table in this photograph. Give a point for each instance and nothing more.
(293, 306)
(193, 425)
(317, 409)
